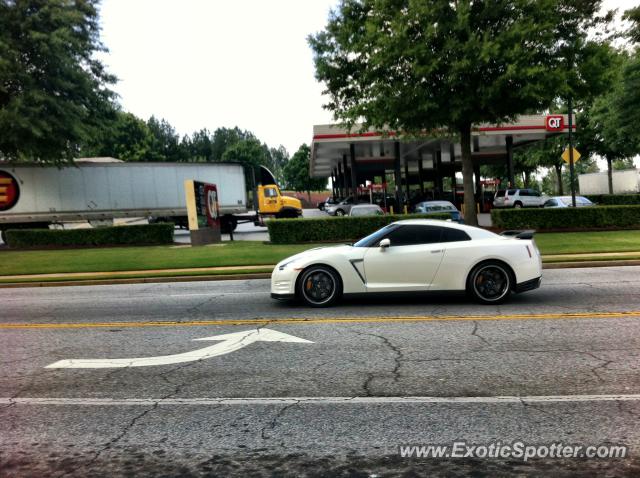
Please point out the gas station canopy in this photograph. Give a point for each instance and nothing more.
(353, 159)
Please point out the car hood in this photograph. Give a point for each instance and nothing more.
(315, 253)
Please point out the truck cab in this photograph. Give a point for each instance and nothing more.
(272, 203)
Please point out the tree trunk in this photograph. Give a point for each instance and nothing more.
(309, 196)
(610, 175)
(559, 177)
(470, 216)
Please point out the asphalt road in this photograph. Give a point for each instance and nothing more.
(368, 377)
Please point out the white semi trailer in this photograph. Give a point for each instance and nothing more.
(33, 196)
(626, 181)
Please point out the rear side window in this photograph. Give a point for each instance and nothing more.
(524, 192)
(500, 194)
(511, 192)
(454, 235)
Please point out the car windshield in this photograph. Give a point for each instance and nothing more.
(376, 237)
(440, 207)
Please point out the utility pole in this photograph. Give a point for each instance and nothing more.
(571, 168)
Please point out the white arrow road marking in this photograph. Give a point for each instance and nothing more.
(230, 343)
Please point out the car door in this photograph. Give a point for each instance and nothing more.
(409, 264)
(536, 199)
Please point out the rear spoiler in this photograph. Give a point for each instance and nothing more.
(528, 234)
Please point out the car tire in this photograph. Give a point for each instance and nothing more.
(319, 286)
(339, 212)
(518, 205)
(490, 282)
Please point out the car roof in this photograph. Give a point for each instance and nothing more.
(474, 232)
(566, 197)
(437, 203)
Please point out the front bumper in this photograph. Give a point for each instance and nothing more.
(283, 283)
(283, 296)
(528, 285)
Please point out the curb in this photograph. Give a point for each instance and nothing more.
(147, 280)
(577, 265)
(263, 275)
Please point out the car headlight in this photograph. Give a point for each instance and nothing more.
(284, 265)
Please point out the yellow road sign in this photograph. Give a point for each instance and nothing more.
(565, 155)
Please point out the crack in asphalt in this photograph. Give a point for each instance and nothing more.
(398, 358)
(475, 333)
(603, 365)
(274, 421)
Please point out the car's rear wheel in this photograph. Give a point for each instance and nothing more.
(490, 282)
(339, 212)
(517, 205)
(319, 286)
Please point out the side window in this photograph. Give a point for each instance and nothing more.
(270, 193)
(524, 192)
(454, 235)
(412, 235)
(535, 193)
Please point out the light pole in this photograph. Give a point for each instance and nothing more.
(571, 168)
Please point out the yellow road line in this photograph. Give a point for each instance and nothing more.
(325, 320)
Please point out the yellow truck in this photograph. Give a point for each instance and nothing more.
(98, 190)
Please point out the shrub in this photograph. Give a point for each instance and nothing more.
(333, 229)
(102, 236)
(599, 217)
(614, 199)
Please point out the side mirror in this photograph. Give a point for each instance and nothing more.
(384, 243)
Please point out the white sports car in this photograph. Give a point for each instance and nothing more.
(411, 256)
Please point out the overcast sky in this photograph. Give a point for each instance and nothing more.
(213, 63)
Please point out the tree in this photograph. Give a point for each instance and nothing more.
(296, 173)
(247, 151)
(279, 159)
(53, 91)
(127, 138)
(199, 145)
(416, 66)
(224, 138)
(165, 144)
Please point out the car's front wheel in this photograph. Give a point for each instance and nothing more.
(319, 286)
(490, 282)
(339, 212)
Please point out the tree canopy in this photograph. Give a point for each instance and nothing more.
(416, 66)
(54, 93)
(296, 172)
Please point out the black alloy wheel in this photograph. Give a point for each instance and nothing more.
(490, 283)
(319, 286)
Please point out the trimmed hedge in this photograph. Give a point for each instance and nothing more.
(334, 229)
(613, 199)
(102, 236)
(567, 218)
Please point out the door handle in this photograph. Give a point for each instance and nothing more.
(435, 252)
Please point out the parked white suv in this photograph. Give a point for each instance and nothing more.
(518, 198)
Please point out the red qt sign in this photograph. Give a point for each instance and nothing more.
(554, 123)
